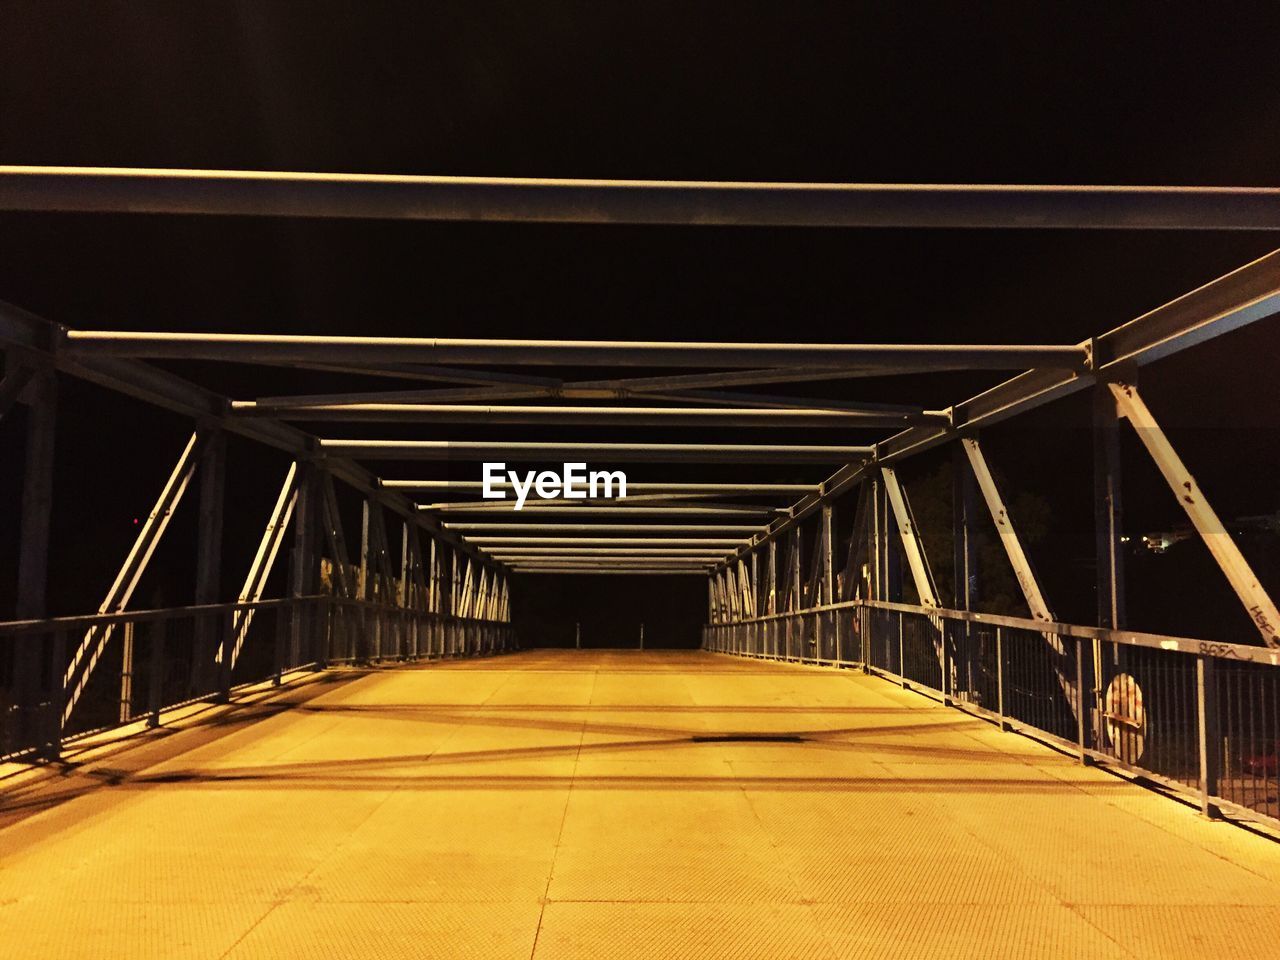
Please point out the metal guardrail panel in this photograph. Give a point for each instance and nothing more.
(1201, 718)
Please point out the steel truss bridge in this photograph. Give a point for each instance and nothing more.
(609, 797)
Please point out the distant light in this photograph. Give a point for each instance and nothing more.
(135, 521)
(1122, 539)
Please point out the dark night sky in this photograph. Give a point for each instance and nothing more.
(838, 92)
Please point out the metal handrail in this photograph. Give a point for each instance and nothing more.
(1133, 638)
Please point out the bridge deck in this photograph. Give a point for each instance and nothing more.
(564, 804)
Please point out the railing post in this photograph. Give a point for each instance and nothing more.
(57, 696)
(278, 654)
(126, 672)
(155, 673)
(1082, 710)
(941, 626)
(228, 644)
(1210, 740)
(1000, 677)
(902, 649)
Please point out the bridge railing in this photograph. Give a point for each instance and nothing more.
(1199, 718)
(106, 670)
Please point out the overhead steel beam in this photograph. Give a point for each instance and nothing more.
(594, 511)
(476, 486)
(769, 401)
(1259, 605)
(711, 530)
(608, 452)
(622, 553)
(708, 383)
(685, 386)
(601, 390)
(598, 572)
(354, 351)
(1232, 301)
(812, 416)
(262, 193)
(590, 567)
(498, 544)
(482, 379)
(619, 561)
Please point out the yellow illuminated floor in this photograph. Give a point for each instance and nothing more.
(561, 804)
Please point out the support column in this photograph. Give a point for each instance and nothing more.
(33, 558)
(304, 573)
(1108, 529)
(37, 499)
(828, 587)
(964, 515)
(1108, 509)
(213, 483)
(964, 501)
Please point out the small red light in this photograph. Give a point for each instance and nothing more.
(135, 521)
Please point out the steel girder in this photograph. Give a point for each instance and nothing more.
(1232, 301)
(681, 202)
(1259, 605)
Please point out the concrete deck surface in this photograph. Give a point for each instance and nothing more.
(596, 804)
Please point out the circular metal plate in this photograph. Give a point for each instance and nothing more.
(1126, 718)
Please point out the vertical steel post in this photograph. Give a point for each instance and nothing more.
(875, 546)
(965, 555)
(213, 481)
(33, 550)
(1108, 530)
(155, 672)
(303, 572)
(1208, 734)
(57, 696)
(902, 649)
(641, 634)
(126, 672)
(1082, 708)
(828, 555)
(577, 636)
(1000, 677)
(363, 586)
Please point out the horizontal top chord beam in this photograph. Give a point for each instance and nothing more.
(676, 202)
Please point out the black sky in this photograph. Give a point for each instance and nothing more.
(844, 92)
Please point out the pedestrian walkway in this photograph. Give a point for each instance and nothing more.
(614, 804)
